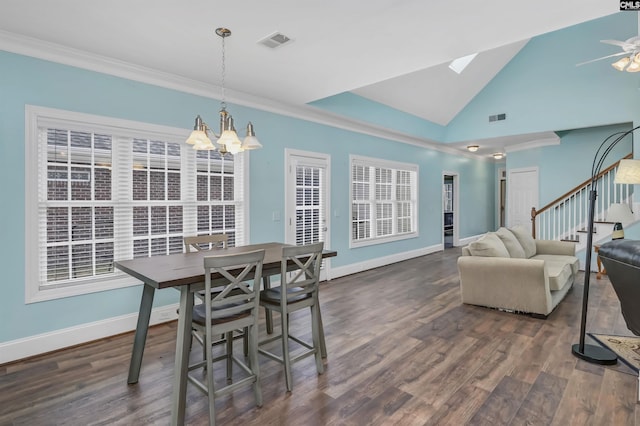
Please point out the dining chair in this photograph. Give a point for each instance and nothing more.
(299, 280)
(206, 243)
(232, 304)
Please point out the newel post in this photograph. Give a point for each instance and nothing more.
(533, 221)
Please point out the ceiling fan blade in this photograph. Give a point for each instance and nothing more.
(604, 57)
(622, 44)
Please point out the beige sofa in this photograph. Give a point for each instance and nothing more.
(511, 271)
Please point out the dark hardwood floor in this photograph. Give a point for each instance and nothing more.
(402, 350)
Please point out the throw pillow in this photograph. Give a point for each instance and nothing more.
(526, 240)
(489, 245)
(511, 243)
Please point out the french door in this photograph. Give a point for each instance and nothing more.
(307, 198)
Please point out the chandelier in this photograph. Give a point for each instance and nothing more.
(227, 140)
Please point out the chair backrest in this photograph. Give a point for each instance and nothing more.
(236, 271)
(205, 242)
(304, 263)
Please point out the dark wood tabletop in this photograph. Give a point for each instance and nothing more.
(187, 268)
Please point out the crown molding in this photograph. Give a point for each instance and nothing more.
(53, 52)
(534, 144)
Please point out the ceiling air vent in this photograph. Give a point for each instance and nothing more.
(275, 40)
(497, 117)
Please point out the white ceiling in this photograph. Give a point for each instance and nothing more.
(395, 52)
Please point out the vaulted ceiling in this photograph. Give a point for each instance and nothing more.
(393, 52)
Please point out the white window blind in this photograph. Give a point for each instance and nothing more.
(383, 201)
(448, 197)
(309, 204)
(110, 193)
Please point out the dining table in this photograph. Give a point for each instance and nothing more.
(185, 272)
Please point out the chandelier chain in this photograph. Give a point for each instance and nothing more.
(223, 104)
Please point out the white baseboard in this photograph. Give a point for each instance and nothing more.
(47, 342)
(354, 268)
(58, 339)
(466, 241)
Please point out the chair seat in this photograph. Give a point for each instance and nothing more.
(272, 295)
(200, 315)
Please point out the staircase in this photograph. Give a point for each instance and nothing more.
(566, 217)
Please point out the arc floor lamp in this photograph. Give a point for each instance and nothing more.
(628, 172)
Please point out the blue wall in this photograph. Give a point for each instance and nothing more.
(542, 89)
(564, 166)
(31, 81)
(359, 108)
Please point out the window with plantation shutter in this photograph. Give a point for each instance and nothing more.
(309, 204)
(383, 201)
(101, 189)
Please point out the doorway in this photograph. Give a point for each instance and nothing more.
(502, 197)
(450, 210)
(307, 199)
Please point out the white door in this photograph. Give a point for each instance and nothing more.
(307, 199)
(522, 195)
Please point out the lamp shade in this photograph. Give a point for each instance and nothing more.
(628, 172)
(633, 67)
(251, 142)
(229, 137)
(621, 64)
(197, 137)
(620, 212)
(200, 140)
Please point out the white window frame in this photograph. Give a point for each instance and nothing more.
(355, 160)
(36, 117)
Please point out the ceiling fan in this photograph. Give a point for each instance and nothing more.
(630, 60)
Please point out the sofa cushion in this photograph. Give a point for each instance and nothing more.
(569, 260)
(511, 243)
(489, 245)
(559, 273)
(526, 240)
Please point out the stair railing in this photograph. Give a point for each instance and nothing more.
(567, 214)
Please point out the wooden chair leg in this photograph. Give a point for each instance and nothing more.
(245, 341)
(266, 284)
(317, 341)
(253, 362)
(207, 343)
(284, 320)
(229, 345)
(323, 344)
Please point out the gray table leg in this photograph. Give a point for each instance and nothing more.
(266, 284)
(146, 303)
(183, 343)
(323, 344)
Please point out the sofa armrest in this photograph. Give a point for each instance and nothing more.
(514, 284)
(564, 248)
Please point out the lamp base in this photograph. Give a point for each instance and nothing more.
(595, 354)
